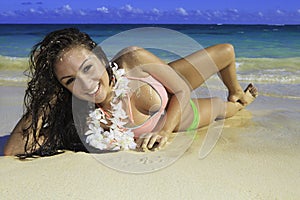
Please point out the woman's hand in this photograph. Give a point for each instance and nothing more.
(148, 141)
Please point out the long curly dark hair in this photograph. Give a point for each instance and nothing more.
(50, 125)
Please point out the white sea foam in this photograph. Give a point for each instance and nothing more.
(270, 78)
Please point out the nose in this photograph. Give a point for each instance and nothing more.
(85, 83)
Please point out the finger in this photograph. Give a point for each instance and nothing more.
(146, 141)
(153, 140)
(140, 140)
(162, 142)
(242, 101)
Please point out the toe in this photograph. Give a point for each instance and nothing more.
(233, 98)
(249, 87)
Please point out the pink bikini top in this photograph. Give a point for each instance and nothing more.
(151, 123)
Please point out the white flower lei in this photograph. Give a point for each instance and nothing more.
(118, 137)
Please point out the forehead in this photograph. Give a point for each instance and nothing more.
(69, 61)
(74, 53)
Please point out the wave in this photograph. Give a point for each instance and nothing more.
(269, 70)
(13, 63)
(270, 78)
(12, 78)
(258, 70)
(257, 64)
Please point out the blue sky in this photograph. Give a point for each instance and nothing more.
(151, 11)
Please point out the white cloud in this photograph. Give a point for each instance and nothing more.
(182, 11)
(155, 11)
(208, 14)
(279, 12)
(131, 9)
(128, 8)
(67, 7)
(198, 12)
(82, 13)
(216, 13)
(103, 9)
(260, 14)
(8, 14)
(34, 11)
(298, 11)
(56, 11)
(234, 10)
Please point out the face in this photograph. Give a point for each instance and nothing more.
(83, 74)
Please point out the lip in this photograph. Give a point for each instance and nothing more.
(95, 91)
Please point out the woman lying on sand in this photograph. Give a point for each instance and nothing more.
(139, 99)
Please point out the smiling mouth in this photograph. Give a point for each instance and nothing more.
(95, 91)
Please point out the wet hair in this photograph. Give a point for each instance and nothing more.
(50, 125)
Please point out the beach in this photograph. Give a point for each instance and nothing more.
(253, 155)
(11, 107)
(256, 157)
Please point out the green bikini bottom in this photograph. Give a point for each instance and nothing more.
(196, 119)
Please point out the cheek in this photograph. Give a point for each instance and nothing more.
(100, 71)
(99, 68)
(101, 74)
(75, 91)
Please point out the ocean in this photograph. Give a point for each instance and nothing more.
(267, 55)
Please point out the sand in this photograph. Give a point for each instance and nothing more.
(11, 107)
(256, 157)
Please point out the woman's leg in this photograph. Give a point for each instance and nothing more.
(199, 66)
(211, 109)
(194, 68)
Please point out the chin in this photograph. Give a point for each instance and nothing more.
(98, 99)
(84, 98)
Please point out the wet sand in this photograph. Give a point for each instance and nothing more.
(11, 107)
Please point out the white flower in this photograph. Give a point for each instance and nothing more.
(96, 114)
(118, 137)
(121, 87)
(117, 72)
(96, 140)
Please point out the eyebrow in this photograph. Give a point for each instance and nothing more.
(78, 69)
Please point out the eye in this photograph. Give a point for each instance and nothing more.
(69, 81)
(87, 68)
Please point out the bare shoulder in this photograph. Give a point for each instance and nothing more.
(127, 53)
(133, 56)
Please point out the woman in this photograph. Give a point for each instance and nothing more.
(67, 62)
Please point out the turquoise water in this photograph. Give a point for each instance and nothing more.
(267, 55)
(251, 41)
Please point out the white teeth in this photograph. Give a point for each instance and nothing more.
(94, 91)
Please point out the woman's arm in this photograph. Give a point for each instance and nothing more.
(134, 57)
(16, 142)
(179, 99)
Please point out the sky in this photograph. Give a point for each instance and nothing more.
(151, 11)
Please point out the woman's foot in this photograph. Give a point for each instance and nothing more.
(244, 97)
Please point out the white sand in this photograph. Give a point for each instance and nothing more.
(257, 157)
